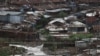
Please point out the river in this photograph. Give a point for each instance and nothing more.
(31, 51)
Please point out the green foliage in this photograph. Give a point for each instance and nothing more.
(80, 36)
(41, 23)
(6, 51)
(62, 14)
(44, 31)
(53, 45)
(9, 40)
(50, 38)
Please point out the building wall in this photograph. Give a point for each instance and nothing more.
(16, 19)
(4, 18)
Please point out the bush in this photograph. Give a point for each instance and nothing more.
(62, 14)
(80, 36)
(6, 51)
(44, 31)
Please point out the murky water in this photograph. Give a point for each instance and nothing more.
(31, 51)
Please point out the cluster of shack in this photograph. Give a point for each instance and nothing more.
(19, 17)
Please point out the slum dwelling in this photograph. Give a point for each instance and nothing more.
(15, 25)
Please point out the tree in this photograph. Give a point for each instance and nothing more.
(50, 38)
(53, 44)
(44, 31)
(42, 22)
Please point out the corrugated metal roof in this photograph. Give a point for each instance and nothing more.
(9, 12)
(87, 1)
(42, 4)
(57, 20)
(35, 1)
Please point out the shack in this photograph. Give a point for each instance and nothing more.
(11, 17)
(19, 35)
